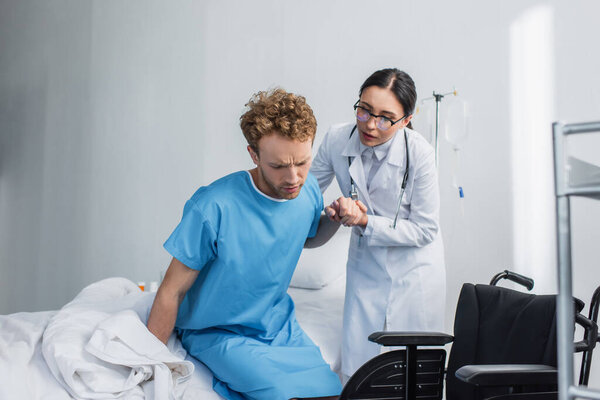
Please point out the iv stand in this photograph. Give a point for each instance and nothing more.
(438, 99)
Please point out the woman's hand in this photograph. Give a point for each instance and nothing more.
(348, 212)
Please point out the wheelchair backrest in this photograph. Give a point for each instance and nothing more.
(496, 325)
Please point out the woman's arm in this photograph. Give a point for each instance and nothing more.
(422, 225)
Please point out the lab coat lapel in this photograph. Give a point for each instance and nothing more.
(356, 169)
(389, 172)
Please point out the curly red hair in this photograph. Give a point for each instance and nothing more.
(280, 112)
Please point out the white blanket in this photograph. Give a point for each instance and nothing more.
(23, 371)
(96, 314)
(98, 347)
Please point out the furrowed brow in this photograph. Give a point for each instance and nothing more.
(276, 164)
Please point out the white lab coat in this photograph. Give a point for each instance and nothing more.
(396, 278)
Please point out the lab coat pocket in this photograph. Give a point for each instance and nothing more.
(404, 212)
(356, 242)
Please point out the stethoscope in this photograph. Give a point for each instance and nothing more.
(354, 192)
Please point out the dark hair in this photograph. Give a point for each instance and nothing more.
(399, 82)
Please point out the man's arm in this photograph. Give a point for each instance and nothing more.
(176, 283)
(327, 228)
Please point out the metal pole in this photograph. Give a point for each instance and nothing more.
(566, 316)
(584, 127)
(584, 393)
(564, 306)
(438, 100)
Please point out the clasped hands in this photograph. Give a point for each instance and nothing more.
(347, 212)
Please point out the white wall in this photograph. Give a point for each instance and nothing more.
(112, 113)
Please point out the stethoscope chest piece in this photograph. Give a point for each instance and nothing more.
(354, 192)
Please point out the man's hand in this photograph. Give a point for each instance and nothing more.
(348, 212)
(332, 211)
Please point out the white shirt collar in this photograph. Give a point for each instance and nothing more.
(381, 150)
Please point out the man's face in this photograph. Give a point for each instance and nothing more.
(282, 165)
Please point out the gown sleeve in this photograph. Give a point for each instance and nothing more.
(194, 240)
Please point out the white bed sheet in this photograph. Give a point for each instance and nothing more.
(319, 312)
(24, 372)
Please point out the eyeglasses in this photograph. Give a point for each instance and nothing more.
(382, 122)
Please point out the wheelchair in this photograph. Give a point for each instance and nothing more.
(503, 348)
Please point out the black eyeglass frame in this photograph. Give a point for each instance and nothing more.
(378, 116)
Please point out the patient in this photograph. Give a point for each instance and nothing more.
(234, 253)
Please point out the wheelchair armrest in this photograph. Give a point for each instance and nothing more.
(591, 334)
(411, 338)
(507, 374)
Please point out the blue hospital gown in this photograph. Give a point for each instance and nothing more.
(237, 318)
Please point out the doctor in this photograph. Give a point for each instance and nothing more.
(396, 277)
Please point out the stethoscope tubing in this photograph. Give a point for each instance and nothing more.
(354, 192)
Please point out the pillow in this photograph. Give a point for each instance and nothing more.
(322, 265)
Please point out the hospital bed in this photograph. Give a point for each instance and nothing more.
(64, 353)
